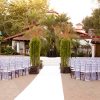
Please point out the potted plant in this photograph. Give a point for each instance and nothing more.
(35, 46)
(65, 52)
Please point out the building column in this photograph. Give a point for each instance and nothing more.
(22, 47)
(93, 50)
(18, 47)
(13, 44)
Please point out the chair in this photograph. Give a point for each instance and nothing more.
(6, 71)
(18, 68)
(72, 73)
(94, 75)
(82, 71)
(77, 69)
(12, 64)
(88, 71)
(26, 65)
(71, 64)
(98, 70)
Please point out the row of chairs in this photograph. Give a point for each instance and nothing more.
(12, 67)
(85, 69)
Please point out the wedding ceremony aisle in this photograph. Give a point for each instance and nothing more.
(47, 85)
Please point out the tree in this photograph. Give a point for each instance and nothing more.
(93, 22)
(55, 25)
(48, 22)
(88, 23)
(19, 14)
(3, 10)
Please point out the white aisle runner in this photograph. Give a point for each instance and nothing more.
(47, 85)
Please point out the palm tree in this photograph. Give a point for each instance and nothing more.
(54, 24)
(64, 30)
(48, 22)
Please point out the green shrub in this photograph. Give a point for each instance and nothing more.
(35, 46)
(9, 51)
(81, 54)
(65, 51)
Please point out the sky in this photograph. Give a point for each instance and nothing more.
(77, 10)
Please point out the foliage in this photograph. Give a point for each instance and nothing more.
(93, 22)
(44, 47)
(88, 24)
(75, 46)
(65, 51)
(9, 51)
(81, 54)
(35, 46)
(53, 21)
(38, 31)
(56, 26)
(19, 14)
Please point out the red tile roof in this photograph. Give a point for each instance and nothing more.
(96, 41)
(13, 36)
(26, 37)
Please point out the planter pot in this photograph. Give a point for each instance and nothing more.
(65, 69)
(34, 70)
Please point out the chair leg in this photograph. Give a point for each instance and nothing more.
(72, 74)
(96, 75)
(10, 74)
(82, 76)
(23, 71)
(16, 73)
(1, 75)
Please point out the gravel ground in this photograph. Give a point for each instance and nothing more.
(73, 89)
(9, 89)
(80, 90)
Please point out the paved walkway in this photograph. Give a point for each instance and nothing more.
(47, 85)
